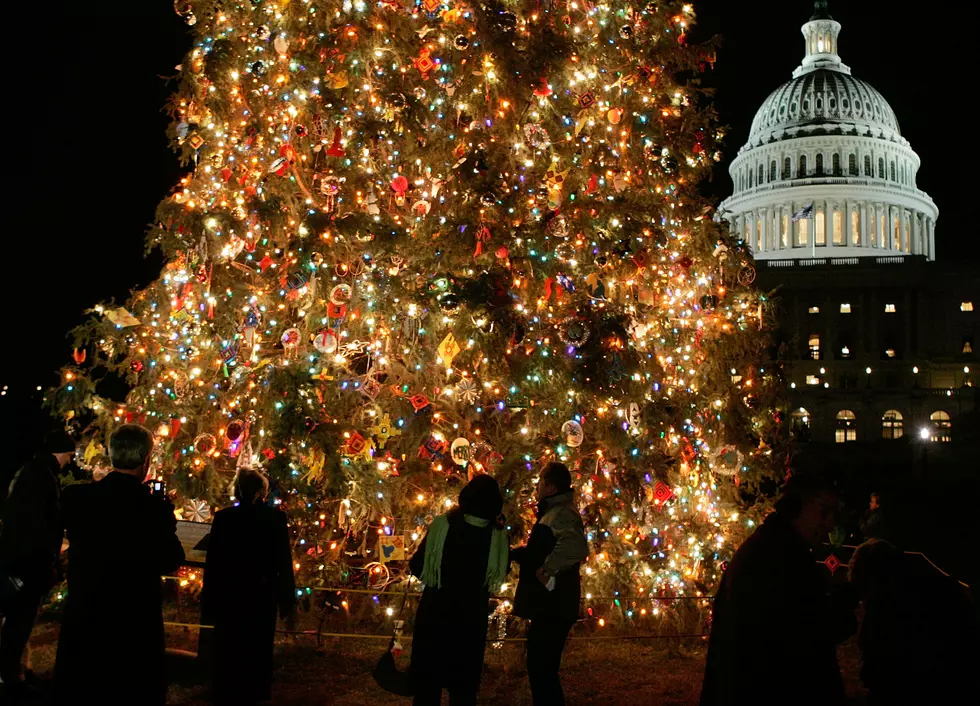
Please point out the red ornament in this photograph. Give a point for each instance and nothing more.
(419, 402)
(544, 90)
(226, 174)
(400, 185)
(355, 444)
(265, 262)
(482, 236)
(662, 492)
(686, 262)
(424, 63)
(593, 184)
(174, 427)
(502, 252)
(79, 356)
(336, 311)
(832, 563)
(336, 149)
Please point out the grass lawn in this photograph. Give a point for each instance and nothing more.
(662, 672)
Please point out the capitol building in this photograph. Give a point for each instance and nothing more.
(877, 341)
(825, 172)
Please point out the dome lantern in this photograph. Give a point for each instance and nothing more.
(821, 42)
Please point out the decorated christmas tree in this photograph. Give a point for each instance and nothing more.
(425, 239)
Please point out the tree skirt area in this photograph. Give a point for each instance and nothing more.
(339, 671)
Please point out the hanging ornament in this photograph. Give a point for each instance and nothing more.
(565, 252)
(543, 90)
(341, 294)
(263, 32)
(626, 31)
(709, 302)
(720, 252)
(633, 415)
(196, 511)
(662, 492)
(595, 286)
(235, 431)
(281, 44)
(181, 383)
(79, 356)
(572, 433)
(727, 462)
(336, 149)
(574, 332)
(536, 136)
(461, 451)
(483, 236)
(326, 342)
(746, 275)
(424, 63)
(290, 339)
(461, 41)
(421, 208)
(614, 115)
(400, 186)
(557, 227)
(467, 391)
(384, 430)
(205, 443)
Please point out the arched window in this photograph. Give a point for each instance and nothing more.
(814, 346)
(835, 163)
(762, 175)
(772, 170)
(799, 424)
(751, 177)
(801, 172)
(892, 425)
(846, 427)
(881, 167)
(787, 168)
(941, 427)
(818, 169)
(867, 165)
(891, 171)
(852, 164)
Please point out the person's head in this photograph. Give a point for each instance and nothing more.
(809, 502)
(481, 497)
(554, 479)
(129, 450)
(875, 501)
(61, 445)
(875, 563)
(251, 486)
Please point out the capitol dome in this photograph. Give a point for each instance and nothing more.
(825, 172)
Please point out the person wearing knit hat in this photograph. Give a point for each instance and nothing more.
(30, 541)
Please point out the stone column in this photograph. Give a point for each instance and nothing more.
(846, 225)
(863, 220)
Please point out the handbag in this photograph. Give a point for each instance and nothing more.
(386, 673)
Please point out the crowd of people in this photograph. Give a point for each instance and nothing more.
(775, 625)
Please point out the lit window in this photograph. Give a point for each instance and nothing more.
(845, 308)
(846, 427)
(966, 306)
(892, 425)
(967, 345)
(812, 380)
(889, 308)
(813, 310)
(845, 352)
(814, 344)
(799, 424)
(889, 352)
(941, 427)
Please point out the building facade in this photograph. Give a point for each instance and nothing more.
(878, 343)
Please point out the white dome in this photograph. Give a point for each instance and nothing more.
(825, 172)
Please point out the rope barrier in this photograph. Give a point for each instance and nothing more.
(368, 636)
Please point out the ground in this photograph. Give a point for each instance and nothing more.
(662, 672)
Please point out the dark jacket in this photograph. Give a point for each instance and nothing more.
(919, 623)
(450, 632)
(121, 540)
(774, 628)
(874, 526)
(557, 544)
(247, 577)
(31, 534)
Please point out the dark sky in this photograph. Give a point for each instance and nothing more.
(86, 122)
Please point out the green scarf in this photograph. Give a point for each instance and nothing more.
(435, 540)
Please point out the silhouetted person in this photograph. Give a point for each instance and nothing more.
(774, 628)
(461, 561)
(248, 577)
(122, 538)
(873, 524)
(918, 637)
(549, 589)
(30, 541)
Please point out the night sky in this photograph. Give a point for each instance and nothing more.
(90, 158)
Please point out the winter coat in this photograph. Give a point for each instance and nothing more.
(874, 526)
(247, 577)
(558, 545)
(774, 628)
(918, 623)
(31, 534)
(121, 540)
(450, 633)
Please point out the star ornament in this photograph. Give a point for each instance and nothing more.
(384, 430)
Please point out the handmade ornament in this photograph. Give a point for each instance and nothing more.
(433, 448)
(290, 338)
(572, 433)
(448, 349)
(326, 341)
(391, 548)
(746, 275)
(384, 430)
(461, 451)
(633, 415)
(419, 402)
(727, 462)
(467, 391)
(235, 432)
(574, 331)
(196, 511)
(662, 492)
(122, 318)
(355, 444)
(341, 294)
(205, 443)
(336, 149)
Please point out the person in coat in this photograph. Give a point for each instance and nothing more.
(248, 577)
(122, 538)
(30, 542)
(874, 524)
(549, 589)
(919, 635)
(461, 561)
(774, 627)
